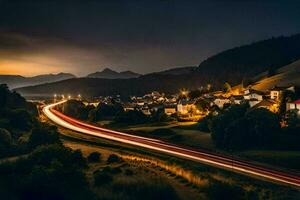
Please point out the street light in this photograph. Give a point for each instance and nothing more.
(69, 97)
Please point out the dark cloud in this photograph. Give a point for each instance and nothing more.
(139, 35)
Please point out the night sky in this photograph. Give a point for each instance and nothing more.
(80, 37)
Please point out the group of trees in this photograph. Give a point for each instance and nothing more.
(47, 169)
(239, 127)
(113, 111)
(49, 172)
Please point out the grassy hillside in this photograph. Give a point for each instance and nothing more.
(250, 60)
(286, 76)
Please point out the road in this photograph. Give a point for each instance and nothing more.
(217, 160)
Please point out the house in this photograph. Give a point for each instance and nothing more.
(170, 109)
(269, 104)
(253, 94)
(253, 102)
(220, 101)
(295, 105)
(276, 92)
(236, 99)
(184, 106)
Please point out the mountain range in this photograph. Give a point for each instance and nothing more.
(111, 74)
(236, 65)
(15, 81)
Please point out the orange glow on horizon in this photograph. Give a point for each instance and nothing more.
(26, 68)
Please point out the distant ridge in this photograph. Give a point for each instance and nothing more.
(14, 81)
(234, 66)
(111, 74)
(178, 70)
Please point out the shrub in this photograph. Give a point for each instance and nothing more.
(218, 190)
(112, 170)
(128, 172)
(101, 178)
(113, 158)
(42, 135)
(94, 157)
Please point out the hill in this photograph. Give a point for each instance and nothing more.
(249, 60)
(285, 76)
(124, 87)
(111, 74)
(14, 81)
(178, 70)
(232, 66)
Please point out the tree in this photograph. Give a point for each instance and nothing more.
(20, 119)
(292, 118)
(105, 111)
(264, 126)
(237, 135)
(42, 135)
(132, 117)
(285, 97)
(194, 94)
(5, 137)
(227, 87)
(220, 123)
(5, 142)
(203, 105)
(94, 157)
(113, 158)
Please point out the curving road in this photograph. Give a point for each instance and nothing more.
(158, 145)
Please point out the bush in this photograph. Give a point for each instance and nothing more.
(5, 137)
(94, 157)
(128, 172)
(50, 172)
(144, 189)
(112, 170)
(42, 135)
(218, 190)
(113, 158)
(5, 142)
(101, 178)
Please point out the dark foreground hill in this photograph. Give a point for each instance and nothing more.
(232, 66)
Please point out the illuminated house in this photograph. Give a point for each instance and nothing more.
(276, 92)
(253, 94)
(220, 101)
(295, 105)
(184, 106)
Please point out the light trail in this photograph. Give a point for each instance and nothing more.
(158, 145)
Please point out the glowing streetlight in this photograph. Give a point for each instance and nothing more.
(69, 97)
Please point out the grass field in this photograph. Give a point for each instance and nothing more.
(289, 160)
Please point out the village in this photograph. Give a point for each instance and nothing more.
(196, 104)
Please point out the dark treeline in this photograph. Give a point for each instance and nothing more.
(239, 127)
(113, 111)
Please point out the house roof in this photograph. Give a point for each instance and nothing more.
(280, 88)
(264, 103)
(297, 101)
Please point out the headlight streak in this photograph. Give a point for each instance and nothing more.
(157, 145)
